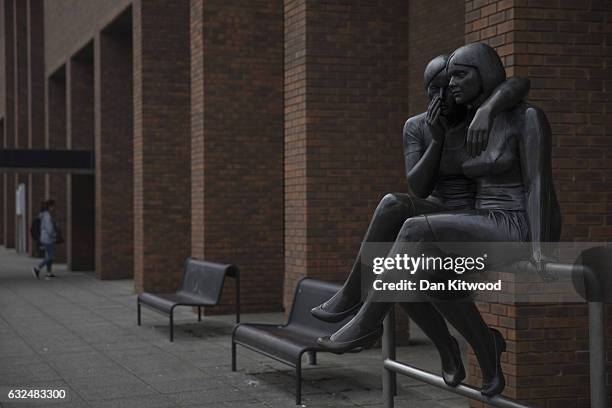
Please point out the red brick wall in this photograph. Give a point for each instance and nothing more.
(237, 142)
(2, 192)
(2, 65)
(8, 201)
(56, 139)
(431, 31)
(346, 100)
(161, 143)
(81, 236)
(21, 89)
(562, 46)
(36, 110)
(80, 197)
(114, 150)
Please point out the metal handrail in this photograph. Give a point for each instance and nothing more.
(597, 361)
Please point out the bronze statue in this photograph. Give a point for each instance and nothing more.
(514, 201)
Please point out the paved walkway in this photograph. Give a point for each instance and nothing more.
(79, 334)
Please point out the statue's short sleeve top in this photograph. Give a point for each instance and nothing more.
(497, 170)
(452, 189)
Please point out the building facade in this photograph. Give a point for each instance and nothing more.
(263, 133)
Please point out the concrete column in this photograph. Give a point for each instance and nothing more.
(161, 143)
(237, 142)
(56, 140)
(9, 118)
(80, 198)
(114, 150)
(346, 100)
(36, 108)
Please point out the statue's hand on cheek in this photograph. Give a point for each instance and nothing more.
(478, 133)
(435, 121)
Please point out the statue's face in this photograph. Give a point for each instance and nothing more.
(439, 86)
(465, 84)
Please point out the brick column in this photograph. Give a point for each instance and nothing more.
(237, 143)
(9, 121)
(55, 183)
(161, 143)
(346, 88)
(113, 148)
(563, 47)
(36, 109)
(426, 43)
(80, 197)
(2, 177)
(8, 191)
(22, 96)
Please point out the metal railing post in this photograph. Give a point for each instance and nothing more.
(597, 356)
(388, 352)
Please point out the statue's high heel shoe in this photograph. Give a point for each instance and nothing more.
(338, 346)
(454, 373)
(497, 384)
(327, 311)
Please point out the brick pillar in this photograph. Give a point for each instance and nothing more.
(2, 177)
(22, 96)
(161, 143)
(9, 118)
(426, 43)
(237, 143)
(563, 47)
(346, 88)
(113, 148)
(80, 197)
(36, 109)
(55, 183)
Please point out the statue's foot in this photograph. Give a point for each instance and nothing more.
(453, 371)
(341, 345)
(338, 308)
(496, 384)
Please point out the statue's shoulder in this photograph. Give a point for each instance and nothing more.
(415, 123)
(413, 129)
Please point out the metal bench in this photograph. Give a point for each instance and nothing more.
(288, 342)
(201, 285)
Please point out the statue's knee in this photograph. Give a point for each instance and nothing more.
(415, 229)
(388, 200)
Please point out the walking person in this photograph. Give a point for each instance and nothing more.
(48, 238)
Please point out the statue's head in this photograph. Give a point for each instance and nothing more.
(436, 83)
(474, 71)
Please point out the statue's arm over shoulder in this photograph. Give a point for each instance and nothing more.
(422, 161)
(536, 166)
(506, 95)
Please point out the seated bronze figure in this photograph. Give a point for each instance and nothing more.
(478, 189)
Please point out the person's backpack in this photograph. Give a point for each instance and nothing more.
(59, 237)
(35, 229)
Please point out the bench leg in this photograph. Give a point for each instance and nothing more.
(298, 383)
(139, 313)
(172, 325)
(233, 356)
(199, 313)
(312, 357)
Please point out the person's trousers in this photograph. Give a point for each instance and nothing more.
(49, 257)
